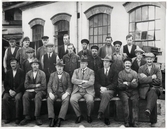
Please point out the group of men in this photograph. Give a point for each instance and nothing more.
(68, 76)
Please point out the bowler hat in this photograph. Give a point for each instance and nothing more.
(139, 50)
(117, 42)
(149, 54)
(128, 59)
(107, 58)
(59, 63)
(45, 37)
(30, 50)
(95, 47)
(35, 61)
(83, 59)
(85, 41)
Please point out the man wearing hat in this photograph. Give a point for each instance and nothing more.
(150, 79)
(9, 52)
(70, 60)
(84, 50)
(35, 86)
(14, 88)
(48, 60)
(107, 49)
(83, 79)
(106, 88)
(138, 60)
(42, 50)
(128, 90)
(27, 63)
(21, 55)
(59, 86)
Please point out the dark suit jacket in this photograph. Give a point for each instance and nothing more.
(132, 53)
(40, 79)
(135, 65)
(53, 83)
(61, 51)
(17, 83)
(102, 51)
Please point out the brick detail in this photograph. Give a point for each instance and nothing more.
(36, 21)
(60, 16)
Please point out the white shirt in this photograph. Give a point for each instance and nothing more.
(34, 74)
(59, 76)
(50, 54)
(65, 48)
(12, 49)
(106, 70)
(129, 48)
(14, 72)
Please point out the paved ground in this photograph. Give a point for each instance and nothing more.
(96, 123)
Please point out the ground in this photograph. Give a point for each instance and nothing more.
(70, 122)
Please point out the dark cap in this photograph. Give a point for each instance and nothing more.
(35, 61)
(11, 39)
(128, 59)
(45, 37)
(85, 41)
(13, 58)
(107, 58)
(83, 59)
(117, 42)
(30, 50)
(95, 47)
(59, 63)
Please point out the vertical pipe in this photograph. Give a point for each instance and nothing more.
(77, 26)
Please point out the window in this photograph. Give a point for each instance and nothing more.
(99, 29)
(144, 25)
(37, 32)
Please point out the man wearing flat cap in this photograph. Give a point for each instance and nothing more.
(14, 88)
(59, 86)
(48, 60)
(85, 50)
(42, 50)
(150, 79)
(9, 53)
(138, 60)
(128, 90)
(21, 55)
(107, 49)
(83, 79)
(106, 88)
(35, 86)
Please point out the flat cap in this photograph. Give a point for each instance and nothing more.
(85, 41)
(45, 37)
(107, 58)
(49, 44)
(13, 58)
(26, 39)
(139, 50)
(128, 59)
(95, 47)
(149, 54)
(30, 50)
(35, 61)
(117, 42)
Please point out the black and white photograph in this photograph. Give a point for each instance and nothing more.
(83, 64)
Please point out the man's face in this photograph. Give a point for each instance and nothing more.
(129, 41)
(13, 64)
(84, 46)
(45, 41)
(108, 41)
(30, 55)
(70, 48)
(117, 47)
(94, 52)
(59, 69)
(49, 49)
(66, 39)
(139, 55)
(149, 60)
(26, 43)
(106, 64)
(83, 65)
(12, 43)
(127, 64)
(35, 66)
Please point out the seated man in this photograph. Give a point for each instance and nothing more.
(127, 85)
(106, 84)
(35, 85)
(150, 79)
(83, 80)
(59, 86)
(14, 86)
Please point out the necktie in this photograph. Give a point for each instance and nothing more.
(106, 72)
(138, 63)
(83, 72)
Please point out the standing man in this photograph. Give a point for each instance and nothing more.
(129, 49)
(48, 60)
(59, 86)
(85, 50)
(35, 86)
(71, 60)
(150, 79)
(14, 88)
(83, 80)
(127, 85)
(62, 50)
(106, 88)
(42, 50)
(9, 53)
(107, 49)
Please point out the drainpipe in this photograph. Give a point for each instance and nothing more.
(78, 16)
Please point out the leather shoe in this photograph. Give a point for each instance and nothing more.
(58, 123)
(25, 121)
(38, 121)
(107, 121)
(147, 112)
(78, 120)
(7, 121)
(52, 122)
(126, 124)
(89, 119)
(99, 116)
(135, 125)
(17, 121)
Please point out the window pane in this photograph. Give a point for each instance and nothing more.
(132, 16)
(104, 38)
(95, 20)
(105, 19)
(105, 30)
(151, 12)
(157, 35)
(151, 43)
(91, 39)
(100, 20)
(137, 35)
(145, 13)
(100, 30)
(158, 13)
(144, 35)
(132, 26)
(138, 14)
(142, 26)
(157, 24)
(95, 31)
(100, 39)
(150, 35)
(108, 17)
(95, 39)
(108, 29)
(91, 31)
(139, 44)
(144, 43)
(151, 25)
(91, 22)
